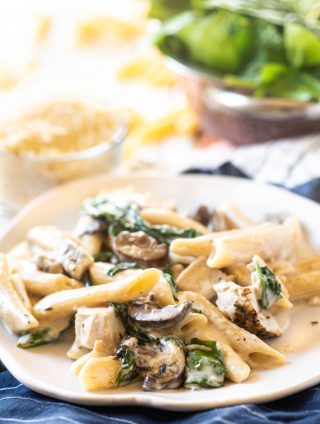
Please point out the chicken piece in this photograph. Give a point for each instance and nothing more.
(69, 258)
(92, 324)
(241, 305)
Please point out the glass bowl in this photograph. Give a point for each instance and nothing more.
(24, 177)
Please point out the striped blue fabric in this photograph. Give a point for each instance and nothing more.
(20, 405)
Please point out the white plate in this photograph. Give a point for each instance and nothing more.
(46, 369)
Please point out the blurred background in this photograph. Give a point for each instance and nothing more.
(157, 87)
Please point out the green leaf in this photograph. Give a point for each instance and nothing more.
(131, 328)
(168, 275)
(104, 256)
(86, 279)
(165, 9)
(221, 41)
(127, 218)
(295, 85)
(302, 46)
(128, 371)
(122, 267)
(205, 365)
(271, 288)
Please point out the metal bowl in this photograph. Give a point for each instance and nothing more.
(241, 118)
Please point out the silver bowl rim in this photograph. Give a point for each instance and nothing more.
(193, 72)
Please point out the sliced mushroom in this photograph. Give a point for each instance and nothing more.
(210, 218)
(162, 365)
(140, 247)
(147, 312)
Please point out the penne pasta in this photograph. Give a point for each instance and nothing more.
(67, 302)
(43, 283)
(200, 278)
(303, 286)
(251, 349)
(165, 217)
(13, 312)
(227, 248)
(99, 373)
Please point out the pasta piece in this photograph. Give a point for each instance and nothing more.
(198, 277)
(99, 373)
(21, 251)
(66, 302)
(309, 264)
(164, 217)
(251, 349)
(99, 351)
(237, 369)
(163, 292)
(44, 283)
(239, 273)
(12, 310)
(45, 237)
(91, 242)
(21, 291)
(233, 217)
(303, 286)
(92, 324)
(176, 270)
(43, 28)
(99, 273)
(270, 241)
(106, 29)
(189, 325)
(180, 122)
(142, 200)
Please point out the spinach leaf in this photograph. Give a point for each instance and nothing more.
(164, 9)
(104, 256)
(271, 288)
(168, 275)
(86, 279)
(131, 328)
(302, 46)
(199, 39)
(123, 267)
(127, 218)
(38, 337)
(128, 371)
(205, 364)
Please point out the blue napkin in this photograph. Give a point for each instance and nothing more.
(20, 405)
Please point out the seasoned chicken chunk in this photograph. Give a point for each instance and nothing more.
(241, 305)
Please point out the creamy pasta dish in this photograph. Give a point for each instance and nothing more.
(156, 297)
